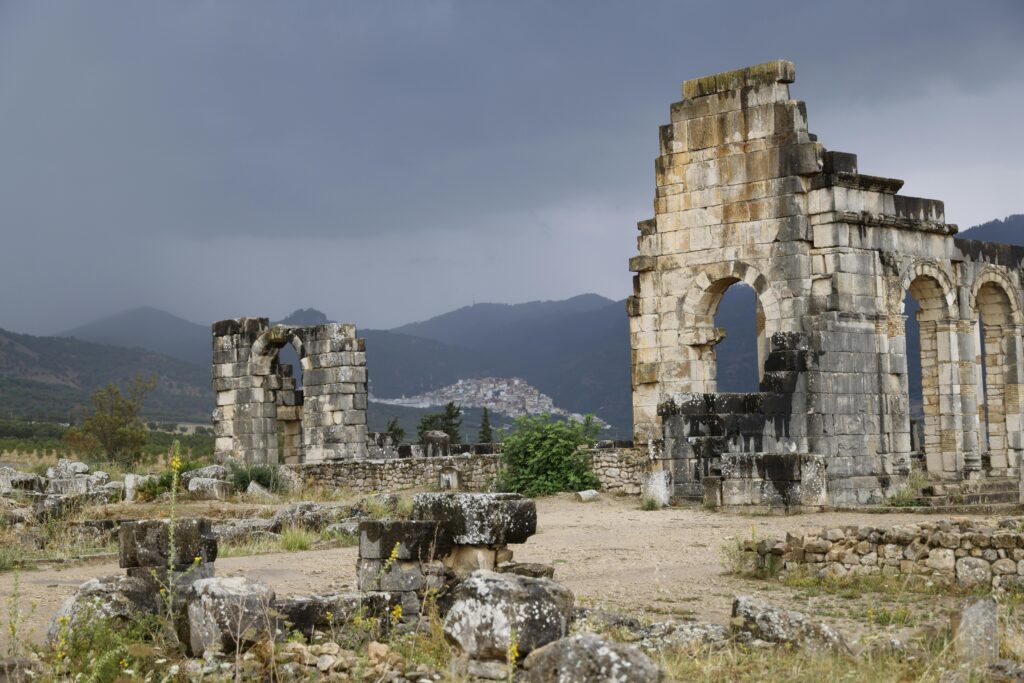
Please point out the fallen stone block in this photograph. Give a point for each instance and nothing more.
(68, 487)
(479, 518)
(534, 570)
(66, 469)
(976, 631)
(208, 472)
(203, 488)
(488, 608)
(587, 658)
(132, 484)
(114, 597)
(325, 612)
(758, 620)
(146, 543)
(257, 492)
(241, 530)
(587, 496)
(225, 614)
(414, 540)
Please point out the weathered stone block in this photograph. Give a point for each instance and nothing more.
(479, 518)
(489, 607)
(146, 543)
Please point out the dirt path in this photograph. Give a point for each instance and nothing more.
(610, 553)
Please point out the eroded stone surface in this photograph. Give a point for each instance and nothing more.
(488, 607)
(479, 518)
(225, 613)
(587, 658)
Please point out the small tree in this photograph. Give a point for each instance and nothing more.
(543, 456)
(114, 428)
(395, 431)
(485, 436)
(449, 422)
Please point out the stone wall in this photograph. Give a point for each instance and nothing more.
(619, 471)
(745, 193)
(966, 552)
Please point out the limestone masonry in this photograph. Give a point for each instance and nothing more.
(257, 399)
(746, 194)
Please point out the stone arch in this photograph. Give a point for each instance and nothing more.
(267, 345)
(996, 316)
(932, 287)
(707, 288)
(699, 305)
(942, 440)
(991, 277)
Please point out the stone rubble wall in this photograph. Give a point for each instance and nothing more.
(619, 471)
(967, 553)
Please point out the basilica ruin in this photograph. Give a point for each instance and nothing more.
(746, 194)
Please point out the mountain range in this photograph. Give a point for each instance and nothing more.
(575, 350)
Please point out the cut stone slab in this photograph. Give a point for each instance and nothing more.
(587, 496)
(132, 483)
(587, 658)
(324, 612)
(208, 472)
(205, 488)
(759, 620)
(479, 518)
(416, 540)
(145, 543)
(976, 631)
(258, 492)
(226, 613)
(488, 607)
(66, 469)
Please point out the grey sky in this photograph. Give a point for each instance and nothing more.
(388, 161)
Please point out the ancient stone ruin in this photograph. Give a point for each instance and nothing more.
(257, 399)
(746, 194)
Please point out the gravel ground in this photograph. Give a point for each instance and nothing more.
(663, 564)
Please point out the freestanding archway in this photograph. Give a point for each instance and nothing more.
(252, 387)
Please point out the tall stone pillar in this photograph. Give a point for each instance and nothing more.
(241, 396)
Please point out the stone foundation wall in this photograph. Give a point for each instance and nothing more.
(965, 552)
(477, 473)
(619, 471)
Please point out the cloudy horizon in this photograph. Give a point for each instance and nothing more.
(387, 162)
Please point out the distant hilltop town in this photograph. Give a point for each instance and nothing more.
(509, 396)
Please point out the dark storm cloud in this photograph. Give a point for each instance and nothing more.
(193, 155)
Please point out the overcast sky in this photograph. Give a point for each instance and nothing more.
(386, 161)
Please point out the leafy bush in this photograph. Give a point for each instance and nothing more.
(542, 456)
(267, 476)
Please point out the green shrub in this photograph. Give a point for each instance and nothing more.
(266, 476)
(543, 456)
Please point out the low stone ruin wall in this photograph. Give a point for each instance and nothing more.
(966, 552)
(619, 471)
(476, 473)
